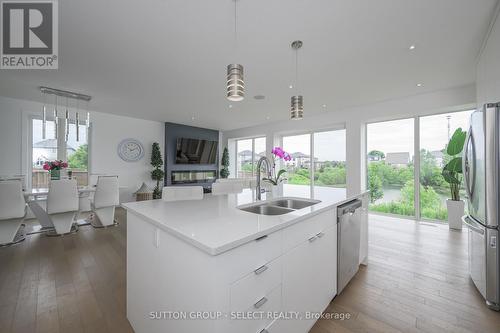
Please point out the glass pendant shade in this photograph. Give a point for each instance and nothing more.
(297, 108)
(235, 83)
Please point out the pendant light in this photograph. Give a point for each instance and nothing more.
(69, 95)
(44, 117)
(235, 84)
(77, 121)
(56, 121)
(297, 101)
(66, 122)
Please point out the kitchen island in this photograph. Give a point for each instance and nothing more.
(210, 266)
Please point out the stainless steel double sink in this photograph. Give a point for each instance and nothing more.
(279, 206)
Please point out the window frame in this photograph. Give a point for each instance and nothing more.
(61, 144)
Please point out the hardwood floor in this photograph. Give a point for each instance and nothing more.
(416, 281)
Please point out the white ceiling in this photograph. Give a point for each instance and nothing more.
(166, 60)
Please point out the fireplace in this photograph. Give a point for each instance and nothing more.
(193, 176)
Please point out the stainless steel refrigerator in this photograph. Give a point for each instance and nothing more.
(481, 170)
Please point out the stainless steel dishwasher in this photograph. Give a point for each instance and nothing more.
(348, 241)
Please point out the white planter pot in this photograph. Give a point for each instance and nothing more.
(455, 213)
(277, 190)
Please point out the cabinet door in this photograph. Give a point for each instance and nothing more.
(309, 279)
(324, 269)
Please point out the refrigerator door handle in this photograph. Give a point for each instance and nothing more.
(466, 164)
(471, 225)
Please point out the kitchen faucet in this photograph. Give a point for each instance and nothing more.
(267, 163)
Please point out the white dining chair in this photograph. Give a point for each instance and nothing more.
(13, 210)
(178, 193)
(62, 205)
(227, 187)
(106, 198)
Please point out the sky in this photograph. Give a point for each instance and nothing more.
(398, 135)
(37, 133)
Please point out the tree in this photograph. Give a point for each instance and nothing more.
(375, 187)
(157, 174)
(80, 158)
(224, 172)
(378, 154)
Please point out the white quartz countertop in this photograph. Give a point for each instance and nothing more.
(215, 224)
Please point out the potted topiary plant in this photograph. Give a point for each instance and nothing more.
(157, 174)
(224, 172)
(452, 174)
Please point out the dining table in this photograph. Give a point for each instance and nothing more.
(33, 199)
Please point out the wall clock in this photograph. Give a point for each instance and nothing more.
(130, 150)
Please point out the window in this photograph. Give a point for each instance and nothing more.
(299, 167)
(390, 147)
(78, 154)
(329, 159)
(318, 170)
(435, 132)
(50, 148)
(390, 164)
(248, 153)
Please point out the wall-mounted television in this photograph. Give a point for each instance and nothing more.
(195, 151)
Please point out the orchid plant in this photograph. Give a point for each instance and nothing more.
(278, 176)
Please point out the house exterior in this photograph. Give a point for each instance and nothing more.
(46, 150)
(398, 159)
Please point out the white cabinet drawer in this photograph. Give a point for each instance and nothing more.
(251, 288)
(301, 231)
(258, 317)
(243, 260)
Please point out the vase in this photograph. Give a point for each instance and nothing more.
(455, 213)
(277, 190)
(55, 174)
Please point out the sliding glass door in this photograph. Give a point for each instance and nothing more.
(390, 146)
(435, 132)
(391, 172)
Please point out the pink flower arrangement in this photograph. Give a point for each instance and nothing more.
(55, 165)
(280, 153)
(277, 177)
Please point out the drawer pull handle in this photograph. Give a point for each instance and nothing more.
(313, 238)
(321, 234)
(261, 269)
(261, 302)
(261, 238)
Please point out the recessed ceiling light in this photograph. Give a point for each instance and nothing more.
(267, 117)
(290, 86)
(420, 85)
(324, 105)
(260, 97)
(230, 106)
(412, 47)
(192, 117)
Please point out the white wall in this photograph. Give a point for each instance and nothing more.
(355, 118)
(488, 68)
(107, 132)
